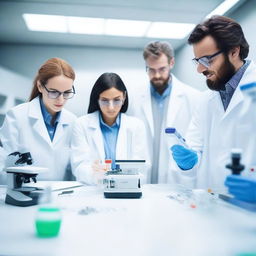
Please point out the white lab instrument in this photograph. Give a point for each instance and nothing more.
(125, 180)
(16, 193)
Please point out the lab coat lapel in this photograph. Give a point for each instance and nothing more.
(36, 118)
(123, 140)
(237, 98)
(147, 109)
(97, 135)
(62, 125)
(175, 102)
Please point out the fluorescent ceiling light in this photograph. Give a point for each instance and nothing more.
(46, 23)
(132, 28)
(80, 25)
(169, 30)
(223, 8)
(99, 26)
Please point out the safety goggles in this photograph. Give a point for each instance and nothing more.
(206, 60)
(114, 102)
(160, 71)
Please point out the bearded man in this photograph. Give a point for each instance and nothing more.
(220, 50)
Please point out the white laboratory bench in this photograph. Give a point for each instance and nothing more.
(154, 225)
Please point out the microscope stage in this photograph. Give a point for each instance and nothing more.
(27, 169)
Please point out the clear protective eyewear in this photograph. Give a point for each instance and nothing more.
(161, 71)
(54, 94)
(206, 60)
(114, 102)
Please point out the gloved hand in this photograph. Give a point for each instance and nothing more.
(185, 158)
(243, 188)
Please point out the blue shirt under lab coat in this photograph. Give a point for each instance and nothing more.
(231, 85)
(110, 134)
(159, 109)
(51, 128)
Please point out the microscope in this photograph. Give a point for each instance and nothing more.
(125, 180)
(20, 170)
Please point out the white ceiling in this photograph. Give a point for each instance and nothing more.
(13, 28)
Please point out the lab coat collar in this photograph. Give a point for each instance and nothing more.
(64, 122)
(237, 98)
(124, 136)
(94, 125)
(37, 120)
(94, 120)
(176, 96)
(36, 117)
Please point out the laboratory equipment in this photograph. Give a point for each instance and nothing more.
(48, 221)
(243, 188)
(125, 180)
(235, 166)
(175, 136)
(245, 127)
(20, 170)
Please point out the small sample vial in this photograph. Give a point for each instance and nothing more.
(176, 138)
(48, 216)
(48, 221)
(108, 163)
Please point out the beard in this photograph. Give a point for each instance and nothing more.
(226, 71)
(160, 84)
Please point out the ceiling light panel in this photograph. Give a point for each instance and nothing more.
(46, 23)
(169, 30)
(81, 25)
(132, 28)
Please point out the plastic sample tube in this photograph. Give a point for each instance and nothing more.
(173, 132)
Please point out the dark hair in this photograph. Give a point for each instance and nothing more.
(157, 48)
(51, 68)
(104, 82)
(226, 32)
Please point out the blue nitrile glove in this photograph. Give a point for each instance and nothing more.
(185, 158)
(243, 188)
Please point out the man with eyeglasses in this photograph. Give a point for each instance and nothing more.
(220, 50)
(166, 102)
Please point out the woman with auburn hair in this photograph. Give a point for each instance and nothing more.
(106, 132)
(42, 126)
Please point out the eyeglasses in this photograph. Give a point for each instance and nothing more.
(54, 94)
(114, 102)
(161, 71)
(206, 60)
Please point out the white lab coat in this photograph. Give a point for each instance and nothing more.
(24, 130)
(183, 99)
(88, 144)
(214, 132)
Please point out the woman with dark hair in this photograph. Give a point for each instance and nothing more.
(106, 132)
(42, 126)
